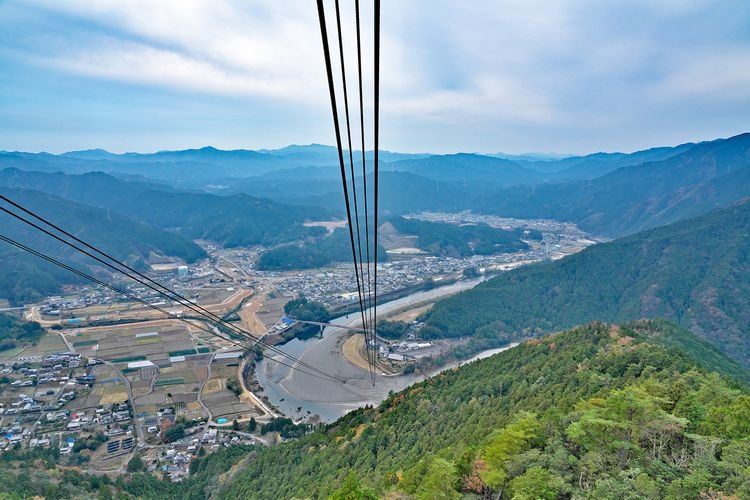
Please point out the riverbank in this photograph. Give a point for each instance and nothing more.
(299, 395)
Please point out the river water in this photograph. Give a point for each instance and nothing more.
(297, 394)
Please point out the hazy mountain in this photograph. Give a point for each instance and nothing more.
(638, 191)
(191, 167)
(706, 176)
(695, 272)
(467, 169)
(228, 220)
(321, 155)
(596, 164)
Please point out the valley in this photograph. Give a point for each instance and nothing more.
(220, 371)
(175, 372)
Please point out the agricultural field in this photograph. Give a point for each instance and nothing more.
(271, 308)
(220, 398)
(164, 363)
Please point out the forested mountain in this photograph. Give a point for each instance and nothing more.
(695, 272)
(597, 412)
(14, 332)
(30, 278)
(609, 194)
(228, 220)
(466, 168)
(706, 176)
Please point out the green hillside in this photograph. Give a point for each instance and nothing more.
(313, 252)
(436, 238)
(15, 332)
(695, 272)
(451, 240)
(30, 278)
(596, 412)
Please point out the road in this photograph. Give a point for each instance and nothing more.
(129, 388)
(269, 413)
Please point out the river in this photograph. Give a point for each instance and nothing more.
(297, 394)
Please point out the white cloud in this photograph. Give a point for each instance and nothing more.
(534, 70)
(236, 48)
(713, 75)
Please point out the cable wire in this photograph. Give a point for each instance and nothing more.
(376, 134)
(138, 299)
(182, 300)
(359, 268)
(364, 171)
(337, 130)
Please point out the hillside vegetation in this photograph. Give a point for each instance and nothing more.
(30, 278)
(15, 332)
(597, 412)
(451, 240)
(695, 272)
(600, 412)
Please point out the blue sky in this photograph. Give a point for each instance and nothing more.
(563, 76)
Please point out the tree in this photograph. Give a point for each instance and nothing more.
(135, 464)
(621, 422)
(732, 421)
(174, 433)
(235, 425)
(440, 481)
(536, 483)
(352, 489)
(503, 445)
(471, 272)
(252, 425)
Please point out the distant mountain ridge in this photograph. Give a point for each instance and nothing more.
(706, 176)
(209, 163)
(228, 220)
(607, 194)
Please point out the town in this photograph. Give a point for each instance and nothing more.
(115, 378)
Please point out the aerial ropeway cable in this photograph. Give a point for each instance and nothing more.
(363, 150)
(129, 295)
(145, 280)
(376, 145)
(359, 266)
(369, 326)
(366, 280)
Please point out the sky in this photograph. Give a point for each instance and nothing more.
(567, 76)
